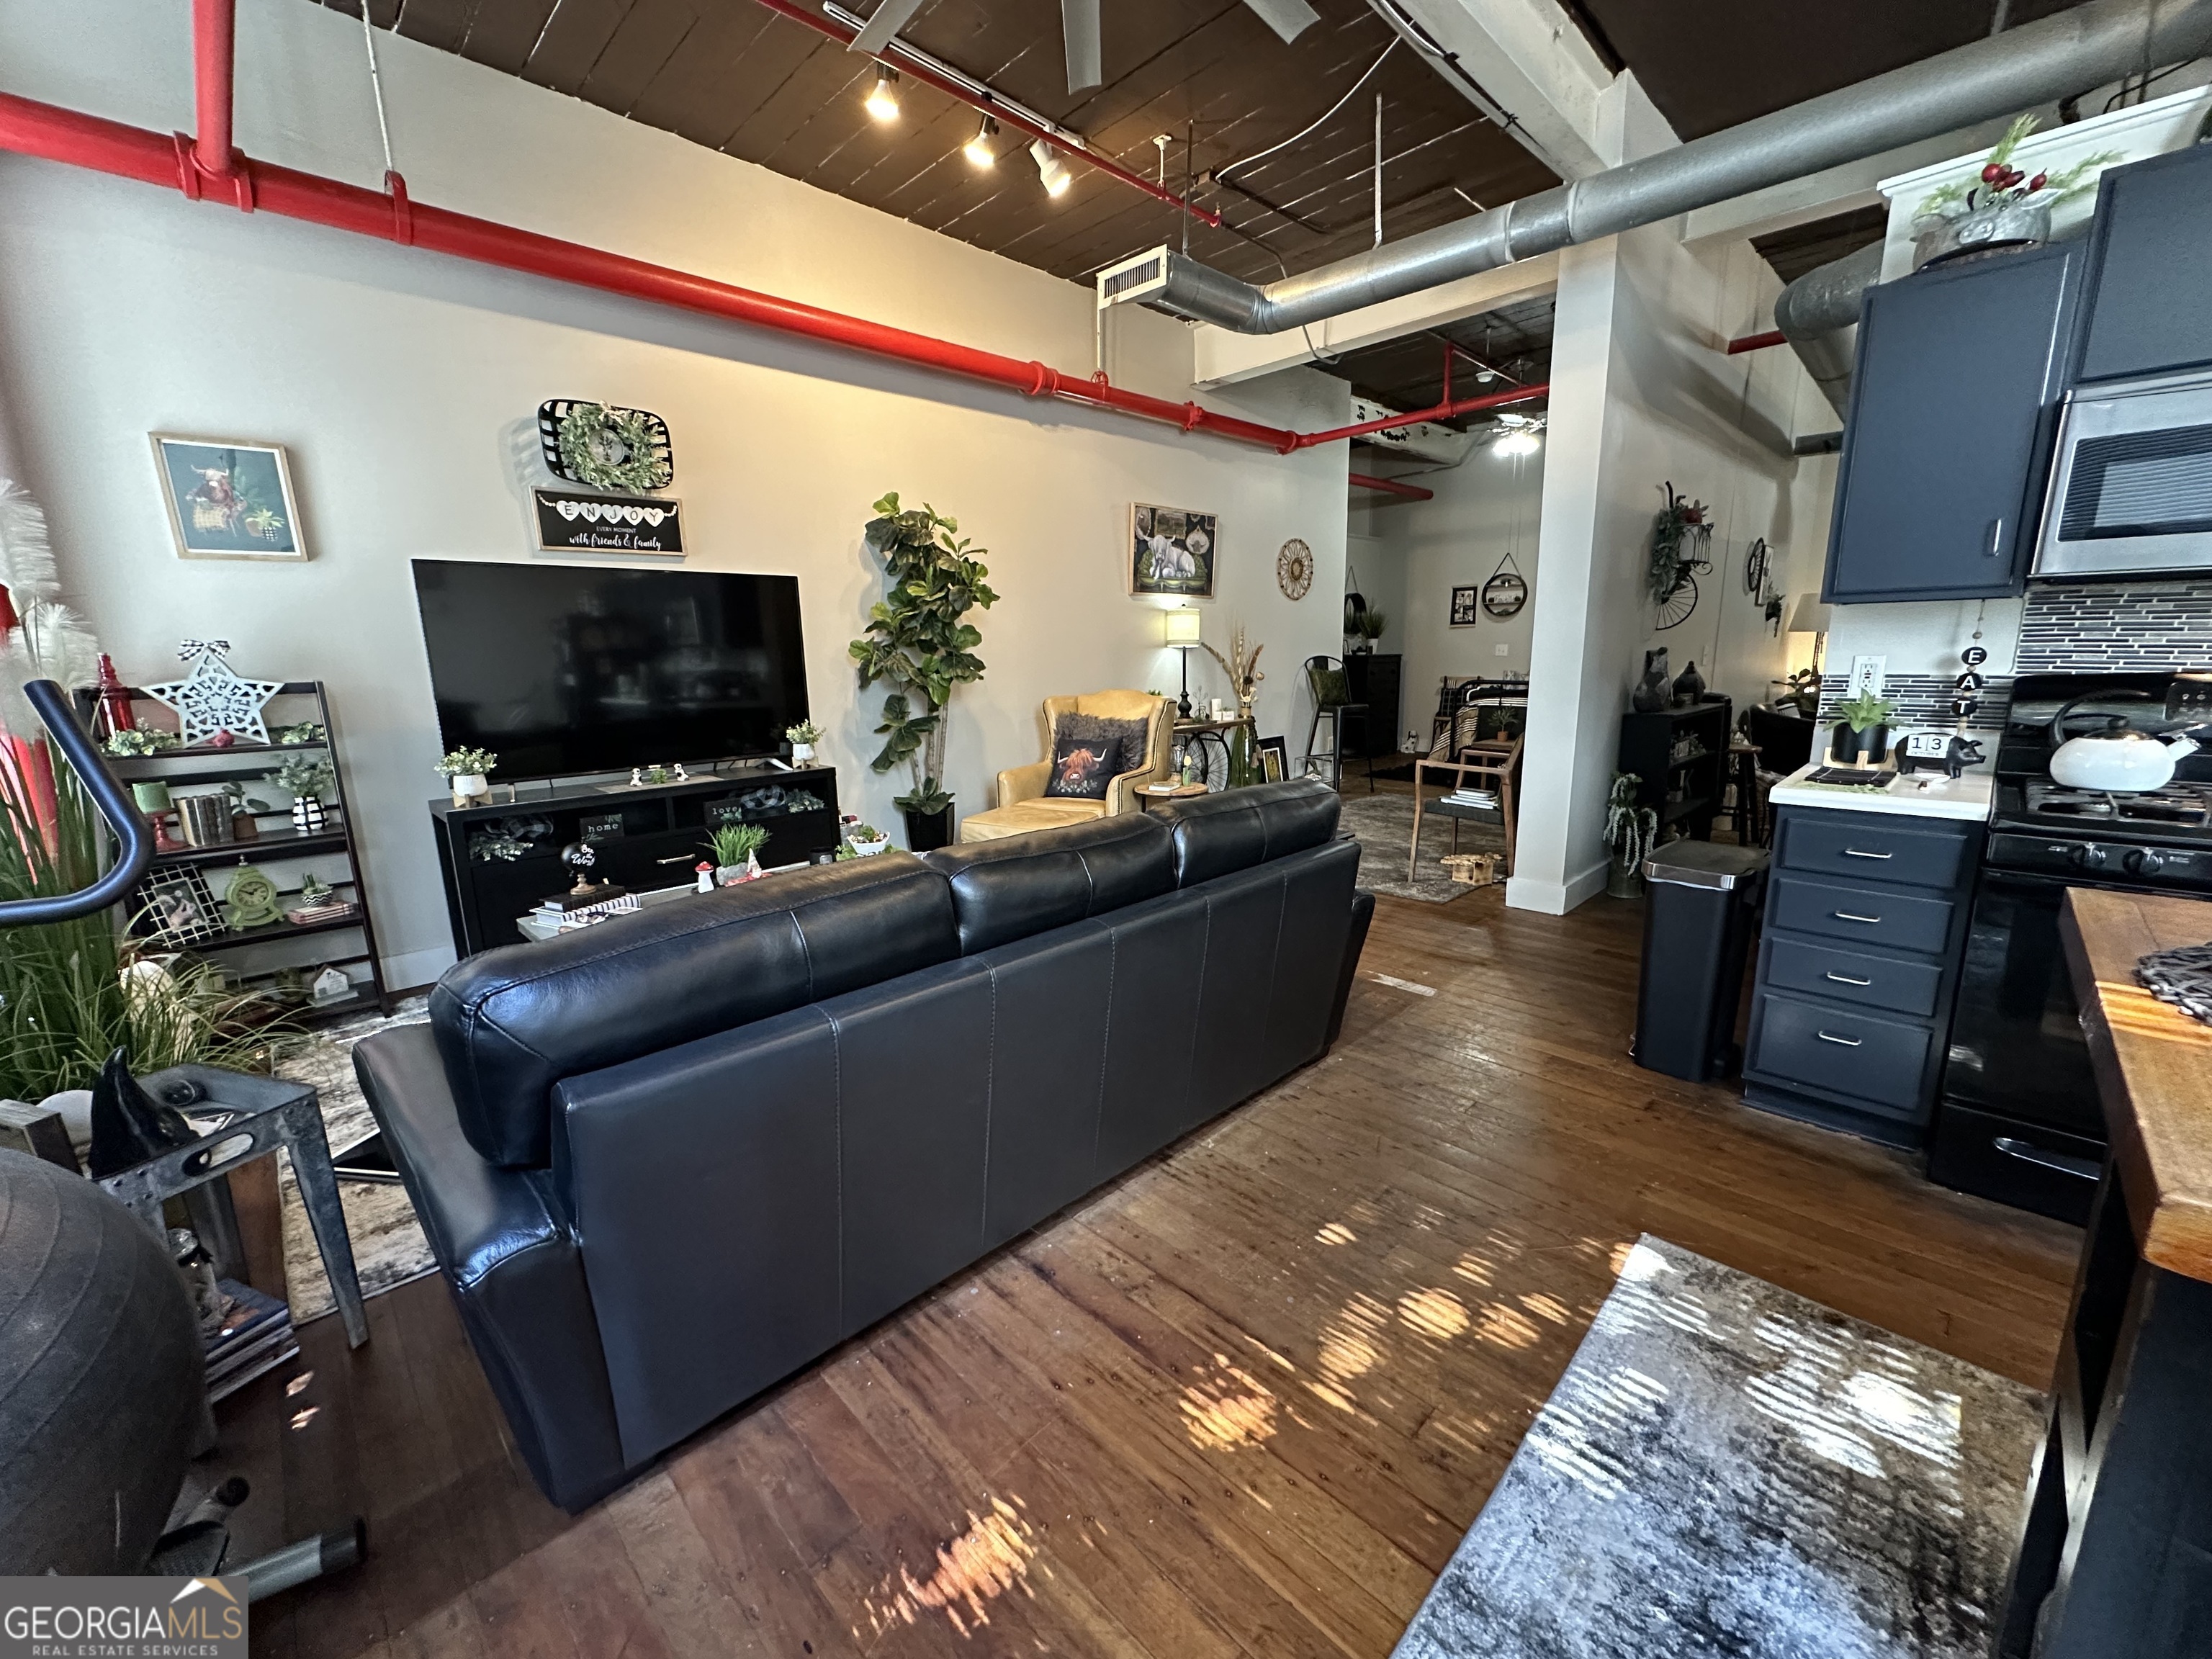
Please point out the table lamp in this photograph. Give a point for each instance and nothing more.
(1810, 616)
(1182, 629)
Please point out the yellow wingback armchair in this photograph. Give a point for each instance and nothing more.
(1023, 803)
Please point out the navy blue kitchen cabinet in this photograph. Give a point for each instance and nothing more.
(1953, 403)
(2150, 261)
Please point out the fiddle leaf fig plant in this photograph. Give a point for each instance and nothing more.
(1866, 711)
(916, 642)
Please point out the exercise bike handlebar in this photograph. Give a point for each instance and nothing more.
(130, 827)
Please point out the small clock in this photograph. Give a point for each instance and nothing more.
(1294, 568)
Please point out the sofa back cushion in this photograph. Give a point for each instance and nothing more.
(1022, 885)
(1216, 835)
(512, 1023)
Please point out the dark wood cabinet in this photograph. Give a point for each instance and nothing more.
(1954, 404)
(1679, 757)
(2150, 250)
(1373, 678)
(501, 861)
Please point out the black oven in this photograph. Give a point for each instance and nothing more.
(2017, 1118)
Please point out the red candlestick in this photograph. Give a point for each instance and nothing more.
(111, 713)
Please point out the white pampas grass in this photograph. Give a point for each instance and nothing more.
(52, 643)
(26, 557)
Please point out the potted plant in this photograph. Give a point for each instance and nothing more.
(1371, 623)
(1863, 730)
(305, 777)
(243, 807)
(866, 840)
(917, 643)
(736, 848)
(802, 738)
(464, 771)
(1999, 205)
(1630, 832)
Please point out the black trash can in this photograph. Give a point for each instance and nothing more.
(1700, 910)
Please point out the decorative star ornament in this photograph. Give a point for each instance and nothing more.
(212, 699)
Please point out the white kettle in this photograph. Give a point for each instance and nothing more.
(2119, 759)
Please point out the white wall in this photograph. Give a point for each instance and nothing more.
(1642, 394)
(405, 385)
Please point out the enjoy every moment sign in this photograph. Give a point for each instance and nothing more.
(570, 523)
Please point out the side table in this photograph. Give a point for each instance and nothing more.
(266, 1113)
(1154, 795)
(1194, 734)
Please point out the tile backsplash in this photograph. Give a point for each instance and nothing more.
(2116, 626)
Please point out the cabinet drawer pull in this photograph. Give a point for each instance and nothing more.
(1854, 852)
(1830, 1036)
(681, 857)
(1995, 543)
(2028, 1152)
(1846, 915)
(1845, 979)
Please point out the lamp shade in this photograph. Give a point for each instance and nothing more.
(1181, 626)
(1808, 614)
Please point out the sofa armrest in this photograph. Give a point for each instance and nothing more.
(1023, 782)
(512, 1265)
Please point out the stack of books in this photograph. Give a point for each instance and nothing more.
(553, 910)
(328, 910)
(256, 1335)
(1467, 796)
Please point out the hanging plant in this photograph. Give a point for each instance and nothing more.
(1680, 535)
(612, 449)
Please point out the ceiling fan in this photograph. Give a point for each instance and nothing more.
(1078, 23)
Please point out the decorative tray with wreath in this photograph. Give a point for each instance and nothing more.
(605, 446)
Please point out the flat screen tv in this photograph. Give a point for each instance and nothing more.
(567, 669)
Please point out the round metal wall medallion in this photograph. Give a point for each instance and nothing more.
(1294, 568)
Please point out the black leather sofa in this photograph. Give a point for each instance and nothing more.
(667, 1161)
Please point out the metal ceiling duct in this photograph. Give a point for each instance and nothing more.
(1818, 315)
(2037, 62)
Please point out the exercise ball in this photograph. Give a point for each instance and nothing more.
(101, 1376)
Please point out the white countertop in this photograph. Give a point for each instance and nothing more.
(1914, 794)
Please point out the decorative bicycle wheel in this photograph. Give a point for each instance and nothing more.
(1675, 609)
(1758, 565)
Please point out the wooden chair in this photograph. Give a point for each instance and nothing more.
(1462, 753)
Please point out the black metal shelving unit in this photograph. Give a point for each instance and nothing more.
(1681, 758)
(256, 956)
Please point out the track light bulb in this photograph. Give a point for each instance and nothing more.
(1052, 172)
(1519, 442)
(881, 100)
(979, 150)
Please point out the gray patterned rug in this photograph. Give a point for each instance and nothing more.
(1730, 1471)
(1384, 825)
(388, 1246)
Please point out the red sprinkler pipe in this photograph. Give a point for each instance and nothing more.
(1391, 486)
(1773, 336)
(214, 29)
(1003, 113)
(29, 128)
(1445, 411)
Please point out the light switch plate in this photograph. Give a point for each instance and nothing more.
(1502, 649)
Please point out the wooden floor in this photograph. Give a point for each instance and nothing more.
(1245, 1402)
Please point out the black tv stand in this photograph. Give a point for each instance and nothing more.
(648, 837)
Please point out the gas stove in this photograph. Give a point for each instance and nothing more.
(2158, 838)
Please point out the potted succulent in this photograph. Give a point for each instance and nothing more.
(917, 643)
(1367, 629)
(736, 848)
(802, 738)
(1630, 832)
(464, 771)
(866, 840)
(1863, 730)
(307, 777)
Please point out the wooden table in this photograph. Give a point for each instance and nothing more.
(2116, 1553)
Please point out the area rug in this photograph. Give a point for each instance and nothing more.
(1728, 1470)
(388, 1246)
(1384, 825)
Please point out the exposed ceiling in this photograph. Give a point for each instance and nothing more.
(1806, 247)
(733, 75)
(1711, 63)
(1407, 374)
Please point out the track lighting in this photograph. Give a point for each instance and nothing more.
(978, 150)
(1051, 170)
(881, 100)
(1520, 442)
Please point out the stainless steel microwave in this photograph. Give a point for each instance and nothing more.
(2131, 490)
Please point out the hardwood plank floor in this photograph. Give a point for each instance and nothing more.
(1243, 1403)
